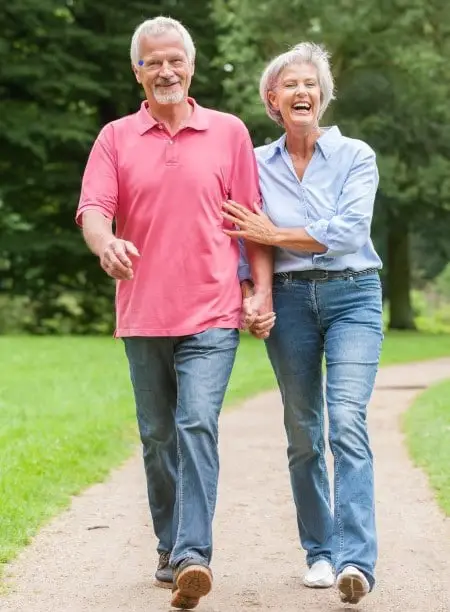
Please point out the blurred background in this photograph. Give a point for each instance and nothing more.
(65, 72)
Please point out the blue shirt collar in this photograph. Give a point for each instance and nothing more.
(326, 143)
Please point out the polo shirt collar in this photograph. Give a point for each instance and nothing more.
(197, 121)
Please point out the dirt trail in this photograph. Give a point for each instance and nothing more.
(71, 567)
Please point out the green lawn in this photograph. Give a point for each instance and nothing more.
(67, 417)
(427, 427)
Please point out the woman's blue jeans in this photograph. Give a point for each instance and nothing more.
(342, 320)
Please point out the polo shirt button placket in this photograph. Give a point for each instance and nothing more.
(171, 153)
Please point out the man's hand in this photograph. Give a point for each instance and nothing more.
(115, 259)
(258, 315)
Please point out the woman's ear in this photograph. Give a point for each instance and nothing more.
(272, 98)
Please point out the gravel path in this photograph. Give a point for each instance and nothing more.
(99, 555)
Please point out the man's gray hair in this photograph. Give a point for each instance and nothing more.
(303, 53)
(156, 27)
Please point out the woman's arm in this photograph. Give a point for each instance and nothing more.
(344, 233)
(257, 227)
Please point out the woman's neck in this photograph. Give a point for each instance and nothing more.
(301, 143)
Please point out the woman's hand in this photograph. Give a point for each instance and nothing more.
(253, 226)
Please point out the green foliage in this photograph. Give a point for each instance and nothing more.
(427, 427)
(442, 283)
(432, 304)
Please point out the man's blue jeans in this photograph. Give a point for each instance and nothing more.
(179, 385)
(342, 319)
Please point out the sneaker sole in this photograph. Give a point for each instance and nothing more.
(351, 589)
(193, 583)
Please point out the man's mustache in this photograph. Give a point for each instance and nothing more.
(165, 82)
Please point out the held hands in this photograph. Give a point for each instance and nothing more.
(115, 259)
(258, 316)
(253, 226)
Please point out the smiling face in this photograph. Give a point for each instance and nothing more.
(165, 73)
(297, 96)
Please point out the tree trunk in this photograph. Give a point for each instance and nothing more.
(399, 276)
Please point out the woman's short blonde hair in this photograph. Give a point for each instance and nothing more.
(303, 53)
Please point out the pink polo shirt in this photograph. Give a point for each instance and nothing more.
(165, 194)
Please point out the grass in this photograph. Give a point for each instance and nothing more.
(67, 417)
(427, 428)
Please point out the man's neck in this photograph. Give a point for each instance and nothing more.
(172, 116)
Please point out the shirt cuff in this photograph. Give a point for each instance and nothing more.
(319, 230)
(97, 207)
(244, 273)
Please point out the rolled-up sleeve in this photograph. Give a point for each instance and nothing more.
(349, 230)
(244, 189)
(99, 189)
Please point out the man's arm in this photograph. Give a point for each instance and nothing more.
(256, 260)
(113, 252)
(98, 206)
(245, 190)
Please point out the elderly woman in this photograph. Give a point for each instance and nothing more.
(318, 190)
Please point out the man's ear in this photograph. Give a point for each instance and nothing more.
(136, 73)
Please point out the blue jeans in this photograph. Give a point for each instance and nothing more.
(341, 318)
(179, 385)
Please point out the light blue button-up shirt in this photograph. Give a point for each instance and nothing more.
(333, 202)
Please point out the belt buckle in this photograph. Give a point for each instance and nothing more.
(323, 275)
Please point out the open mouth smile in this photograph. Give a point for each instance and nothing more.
(302, 107)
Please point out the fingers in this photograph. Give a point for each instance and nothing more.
(235, 233)
(115, 260)
(250, 319)
(132, 250)
(114, 268)
(260, 336)
(263, 323)
(232, 219)
(248, 312)
(241, 212)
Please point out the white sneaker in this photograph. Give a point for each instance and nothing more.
(319, 576)
(352, 585)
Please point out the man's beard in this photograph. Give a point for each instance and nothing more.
(170, 98)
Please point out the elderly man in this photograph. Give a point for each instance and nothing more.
(162, 175)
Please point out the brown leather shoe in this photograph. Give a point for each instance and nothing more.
(191, 582)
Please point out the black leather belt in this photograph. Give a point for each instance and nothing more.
(323, 275)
